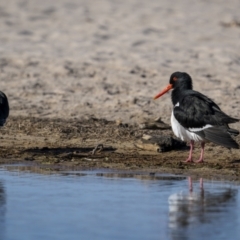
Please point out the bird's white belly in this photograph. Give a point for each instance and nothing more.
(183, 133)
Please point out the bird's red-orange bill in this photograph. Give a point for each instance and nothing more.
(166, 89)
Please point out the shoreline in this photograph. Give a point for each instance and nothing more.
(57, 144)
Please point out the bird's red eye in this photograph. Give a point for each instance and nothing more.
(174, 78)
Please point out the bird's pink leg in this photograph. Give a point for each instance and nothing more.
(200, 160)
(189, 159)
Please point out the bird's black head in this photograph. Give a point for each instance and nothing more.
(181, 80)
(178, 81)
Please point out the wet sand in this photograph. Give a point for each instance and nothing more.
(64, 63)
(56, 144)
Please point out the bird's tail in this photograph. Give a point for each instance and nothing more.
(233, 132)
(221, 136)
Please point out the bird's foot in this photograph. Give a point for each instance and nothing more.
(200, 160)
(189, 160)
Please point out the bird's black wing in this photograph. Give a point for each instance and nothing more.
(195, 110)
(199, 114)
(4, 108)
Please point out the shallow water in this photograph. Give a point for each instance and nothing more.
(111, 205)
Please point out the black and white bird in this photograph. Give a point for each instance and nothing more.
(4, 108)
(195, 117)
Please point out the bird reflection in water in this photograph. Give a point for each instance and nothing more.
(191, 211)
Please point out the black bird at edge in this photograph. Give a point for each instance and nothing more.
(4, 108)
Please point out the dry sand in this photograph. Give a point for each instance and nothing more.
(75, 59)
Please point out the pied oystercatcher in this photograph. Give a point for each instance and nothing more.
(195, 117)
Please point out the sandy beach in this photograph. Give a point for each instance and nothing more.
(74, 60)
